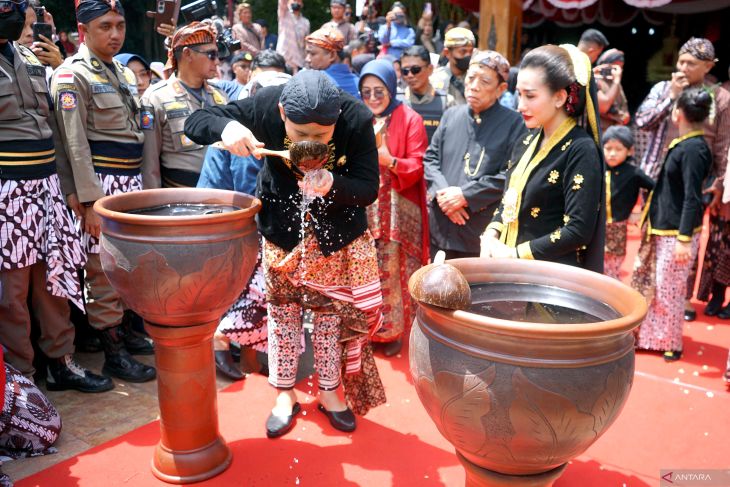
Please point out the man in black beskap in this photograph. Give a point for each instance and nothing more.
(325, 261)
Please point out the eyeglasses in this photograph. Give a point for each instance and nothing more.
(212, 54)
(378, 93)
(413, 69)
(7, 6)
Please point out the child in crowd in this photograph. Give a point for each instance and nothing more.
(623, 181)
(671, 226)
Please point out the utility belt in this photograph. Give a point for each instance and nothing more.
(27, 159)
(117, 158)
(178, 178)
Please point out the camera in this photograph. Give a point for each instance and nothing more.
(204, 9)
(227, 44)
(199, 10)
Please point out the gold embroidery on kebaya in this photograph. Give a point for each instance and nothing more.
(565, 146)
(555, 236)
(535, 212)
(566, 219)
(577, 182)
(553, 178)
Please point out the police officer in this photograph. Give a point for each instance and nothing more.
(170, 158)
(40, 250)
(458, 48)
(98, 116)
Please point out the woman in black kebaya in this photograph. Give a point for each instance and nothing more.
(553, 204)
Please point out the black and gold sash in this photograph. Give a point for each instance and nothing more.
(116, 158)
(27, 159)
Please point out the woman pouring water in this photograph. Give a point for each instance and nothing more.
(319, 257)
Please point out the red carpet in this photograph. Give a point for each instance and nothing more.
(676, 418)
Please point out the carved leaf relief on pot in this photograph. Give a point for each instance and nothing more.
(611, 400)
(205, 287)
(549, 429)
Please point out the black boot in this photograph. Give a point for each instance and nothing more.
(134, 342)
(64, 373)
(119, 363)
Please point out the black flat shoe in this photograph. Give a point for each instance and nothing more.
(224, 364)
(340, 420)
(690, 315)
(724, 313)
(391, 349)
(713, 308)
(277, 426)
(672, 355)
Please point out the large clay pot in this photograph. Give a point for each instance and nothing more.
(519, 400)
(181, 274)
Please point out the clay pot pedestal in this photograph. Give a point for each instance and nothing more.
(181, 273)
(519, 400)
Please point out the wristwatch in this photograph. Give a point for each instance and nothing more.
(393, 164)
(88, 204)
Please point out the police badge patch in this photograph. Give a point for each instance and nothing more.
(147, 120)
(67, 99)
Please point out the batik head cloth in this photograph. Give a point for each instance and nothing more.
(699, 48)
(328, 38)
(492, 60)
(311, 97)
(193, 34)
(88, 10)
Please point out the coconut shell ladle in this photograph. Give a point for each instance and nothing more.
(440, 284)
(304, 156)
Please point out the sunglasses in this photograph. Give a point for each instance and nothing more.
(379, 93)
(413, 69)
(7, 6)
(212, 54)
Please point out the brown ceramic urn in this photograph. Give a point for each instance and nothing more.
(533, 373)
(181, 273)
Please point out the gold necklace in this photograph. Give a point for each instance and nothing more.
(467, 164)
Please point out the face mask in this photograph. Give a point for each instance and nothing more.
(296, 7)
(11, 26)
(463, 63)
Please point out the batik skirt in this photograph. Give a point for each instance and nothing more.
(111, 184)
(716, 265)
(35, 225)
(29, 424)
(347, 283)
(663, 282)
(615, 248)
(246, 322)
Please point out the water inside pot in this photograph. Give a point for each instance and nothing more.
(534, 303)
(184, 209)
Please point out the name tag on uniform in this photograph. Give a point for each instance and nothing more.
(176, 109)
(34, 70)
(97, 88)
(133, 89)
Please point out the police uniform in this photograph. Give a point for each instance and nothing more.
(443, 80)
(171, 159)
(98, 116)
(430, 107)
(39, 248)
